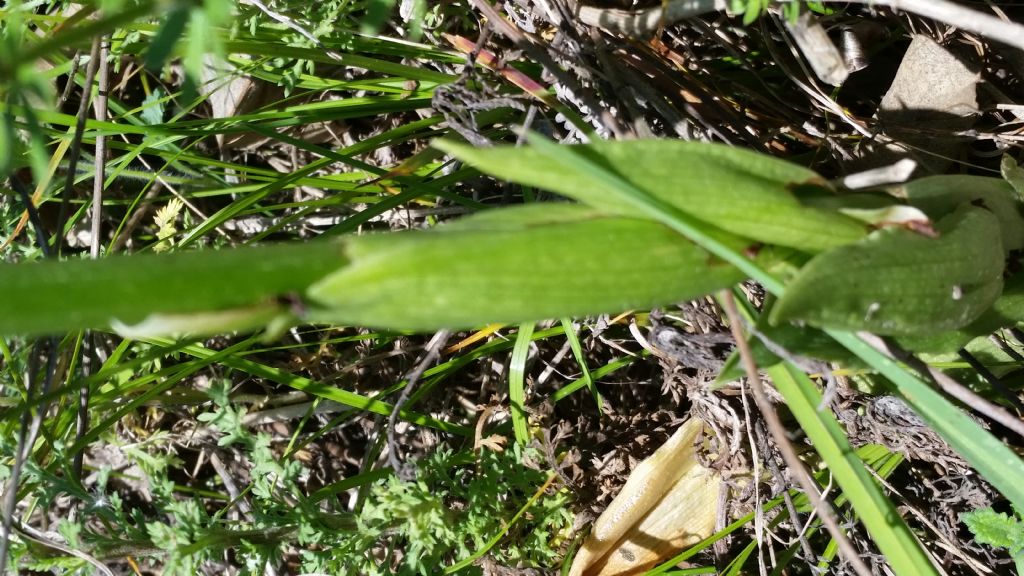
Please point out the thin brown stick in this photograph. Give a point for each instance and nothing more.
(778, 432)
(98, 178)
(794, 516)
(432, 351)
(76, 143)
(75, 61)
(100, 159)
(948, 385)
(508, 30)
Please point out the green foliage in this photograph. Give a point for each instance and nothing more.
(182, 283)
(1014, 175)
(939, 196)
(750, 9)
(330, 22)
(421, 522)
(457, 503)
(875, 510)
(747, 194)
(20, 87)
(166, 37)
(512, 265)
(998, 529)
(900, 282)
(518, 265)
(377, 12)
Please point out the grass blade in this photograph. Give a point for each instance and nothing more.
(577, 352)
(517, 383)
(989, 456)
(876, 511)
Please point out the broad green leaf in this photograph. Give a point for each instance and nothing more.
(1007, 311)
(729, 248)
(854, 200)
(377, 12)
(899, 282)
(479, 271)
(940, 196)
(883, 522)
(49, 296)
(742, 192)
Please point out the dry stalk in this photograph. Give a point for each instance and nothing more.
(778, 432)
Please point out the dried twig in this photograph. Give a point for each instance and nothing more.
(76, 143)
(948, 385)
(98, 180)
(432, 351)
(100, 160)
(778, 432)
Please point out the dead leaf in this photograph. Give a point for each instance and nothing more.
(669, 502)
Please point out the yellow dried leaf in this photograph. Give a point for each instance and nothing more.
(668, 503)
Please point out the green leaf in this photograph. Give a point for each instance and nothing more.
(1007, 311)
(1013, 174)
(899, 282)
(377, 12)
(153, 107)
(166, 38)
(515, 266)
(940, 196)
(577, 352)
(517, 383)
(50, 296)
(875, 510)
(995, 529)
(739, 191)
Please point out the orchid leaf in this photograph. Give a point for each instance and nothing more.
(50, 296)
(519, 268)
(899, 282)
(742, 192)
(939, 196)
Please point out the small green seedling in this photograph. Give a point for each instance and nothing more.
(998, 529)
